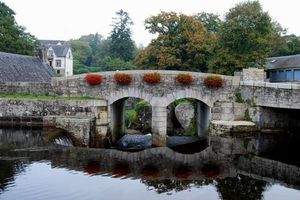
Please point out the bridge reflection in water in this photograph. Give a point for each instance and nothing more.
(234, 165)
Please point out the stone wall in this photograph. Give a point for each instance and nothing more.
(277, 95)
(87, 120)
(28, 88)
(161, 94)
(81, 128)
(229, 111)
(253, 74)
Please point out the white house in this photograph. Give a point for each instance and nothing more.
(57, 54)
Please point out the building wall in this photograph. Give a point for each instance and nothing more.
(69, 64)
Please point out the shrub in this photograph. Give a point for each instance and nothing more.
(214, 81)
(184, 79)
(239, 98)
(152, 78)
(93, 79)
(140, 105)
(123, 78)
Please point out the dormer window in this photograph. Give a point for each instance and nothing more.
(50, 53)
(58, 63)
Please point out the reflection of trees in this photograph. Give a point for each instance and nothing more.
(241, 187)
(167, 185)
(8, 169)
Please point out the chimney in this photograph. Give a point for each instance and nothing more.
(42, 54)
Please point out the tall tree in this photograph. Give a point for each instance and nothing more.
(246, 36)
(13, 37)
(211, 21)
(182, 43)
(82, 52)
(286, 45)
(121, 46)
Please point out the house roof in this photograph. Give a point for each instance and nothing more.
(61, 50)
(60, 47)
(283, 62)
(20, 68)
(48, 43)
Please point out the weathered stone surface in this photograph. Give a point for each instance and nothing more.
(80, 128)
(218, 127)
(184, 113)
(253, 74)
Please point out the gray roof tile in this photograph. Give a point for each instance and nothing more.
(283, 62)
(20, 68)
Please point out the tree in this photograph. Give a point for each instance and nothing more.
(246, 36)
(121, 46)
(182, 43)
(241, 187)
(82, 52)
(13, 38)
(286, 45)
(210, 21)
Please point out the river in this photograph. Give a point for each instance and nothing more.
(43, 164)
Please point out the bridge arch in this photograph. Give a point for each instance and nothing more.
(117, 116)
(202, 115)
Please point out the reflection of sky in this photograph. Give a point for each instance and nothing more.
(41, 182)
(277, 192)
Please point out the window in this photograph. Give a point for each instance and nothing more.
(50, 53)
(281, 75)
(58, 71)
(273, 76)
(297, 74)
(69, 55)
(289, 75)
(58, 63)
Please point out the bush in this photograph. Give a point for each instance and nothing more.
(184, 79)
(93, 79)
(152, 78)
(214, 81)
(130, 118)
(123, 78)
(140, 105)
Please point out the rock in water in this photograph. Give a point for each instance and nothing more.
(135, 142)
(184, 113)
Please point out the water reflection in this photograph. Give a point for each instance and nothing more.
(235, 167)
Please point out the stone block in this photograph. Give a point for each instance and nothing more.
(271, 85)
(259, 84)
(284, 86)
(296, 86)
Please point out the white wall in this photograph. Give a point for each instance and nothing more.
(66, 68)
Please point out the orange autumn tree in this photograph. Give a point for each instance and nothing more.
(183, 43)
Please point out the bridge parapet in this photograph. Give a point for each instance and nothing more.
(163, 93)
(276, 95)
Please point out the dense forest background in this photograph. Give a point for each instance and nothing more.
(203, 42)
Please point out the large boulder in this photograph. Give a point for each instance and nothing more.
(135, 142)
(185, 112)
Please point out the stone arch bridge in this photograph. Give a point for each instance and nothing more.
(159, 96)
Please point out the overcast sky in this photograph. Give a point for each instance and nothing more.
(67, 19)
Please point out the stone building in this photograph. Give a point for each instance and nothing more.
(21, 68)
(284, 68)
(58, 55)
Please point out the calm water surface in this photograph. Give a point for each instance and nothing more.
(37, 165)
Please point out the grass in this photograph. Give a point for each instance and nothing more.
(44, 97)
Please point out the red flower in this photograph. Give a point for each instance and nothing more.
(184, 79)
(152, 78)
(93, 79)
(123, 78)
(214, 81)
